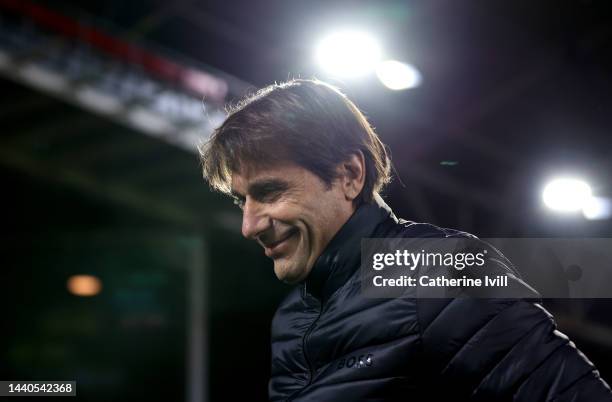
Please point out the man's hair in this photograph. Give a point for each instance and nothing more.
(307, 122)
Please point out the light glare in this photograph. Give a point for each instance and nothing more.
(566, 194)
(396, 75)
(84, 285)
(597, 208)
(348, 54)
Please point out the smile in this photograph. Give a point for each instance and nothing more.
(272, 250)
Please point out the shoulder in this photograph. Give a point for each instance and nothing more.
(406, 229)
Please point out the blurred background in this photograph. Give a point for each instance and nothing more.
(122, 271)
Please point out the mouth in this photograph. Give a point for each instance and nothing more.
(274, 249)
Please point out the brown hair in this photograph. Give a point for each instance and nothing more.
(307, 122)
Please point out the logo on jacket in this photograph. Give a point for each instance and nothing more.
(356, 361)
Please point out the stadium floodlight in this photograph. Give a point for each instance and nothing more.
(566, 194)
(396, 75)
(597, 208)
(348, 54)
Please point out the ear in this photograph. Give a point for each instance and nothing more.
(352, 175)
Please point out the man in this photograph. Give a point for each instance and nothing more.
(306, 168)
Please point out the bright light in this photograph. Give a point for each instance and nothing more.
(84, 285)
(396, 75)
(348, 54)
(597, 208)
(566, 194)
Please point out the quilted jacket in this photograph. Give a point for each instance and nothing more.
(330, 343)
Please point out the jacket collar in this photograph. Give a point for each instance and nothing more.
(342, 256)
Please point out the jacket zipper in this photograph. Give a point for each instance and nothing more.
(305, 341)
(308, 363)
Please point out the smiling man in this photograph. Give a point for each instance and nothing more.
(306, 169)
(292, 214)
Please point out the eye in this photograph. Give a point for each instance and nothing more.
(271, 196)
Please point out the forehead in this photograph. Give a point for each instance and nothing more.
(288, 172)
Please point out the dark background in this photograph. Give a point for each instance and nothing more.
(513, 92)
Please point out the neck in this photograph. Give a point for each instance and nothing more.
(342, 255)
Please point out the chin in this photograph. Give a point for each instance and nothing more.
(289, 275)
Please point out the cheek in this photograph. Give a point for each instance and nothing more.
(317, 226)
(312, 214)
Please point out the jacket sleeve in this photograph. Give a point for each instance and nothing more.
(504, 350)
(487, 349)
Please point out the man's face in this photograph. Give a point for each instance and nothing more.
(291, 213)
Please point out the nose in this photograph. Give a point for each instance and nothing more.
(254, 219)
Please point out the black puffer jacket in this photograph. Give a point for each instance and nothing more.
(331, 344)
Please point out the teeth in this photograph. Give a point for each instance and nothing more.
(282, 240)
(274, 244)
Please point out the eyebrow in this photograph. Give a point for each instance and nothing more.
(263, 187)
